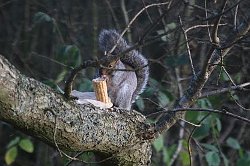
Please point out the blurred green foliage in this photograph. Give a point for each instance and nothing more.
(45, 39)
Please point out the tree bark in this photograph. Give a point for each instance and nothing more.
(40, 111)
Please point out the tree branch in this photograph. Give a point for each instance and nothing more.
(214, 57)
(32, 107)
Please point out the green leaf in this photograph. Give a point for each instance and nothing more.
(60, 76)
(163, 99)
(171, 25)
(140, 103)
(85, 85)
(153, 83)
(149, 92)
(158, 143)
(233, 143)
(70, 55)
(174, 61)
(210, 147)
(202, 131)
(160, 32)
(40, 17)
(204, 103)
(225, 160)
(218, 124)
(224, 76)
(10, 155)
(26, 145)
(192, 116)
(87, 156)
(244, 161)
(184, 158)
(238, 78)
(166, 156)
(213, 158)
(168, 152)
(53, 85)
(13, 142)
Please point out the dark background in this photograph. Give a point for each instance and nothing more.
(44, 39)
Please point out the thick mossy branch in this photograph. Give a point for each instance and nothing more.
(38, 110)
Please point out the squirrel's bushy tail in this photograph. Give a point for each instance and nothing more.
(109, 38)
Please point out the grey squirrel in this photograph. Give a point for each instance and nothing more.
(123, 86)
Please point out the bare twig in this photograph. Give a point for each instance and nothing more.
(182, 123)
(149, 17)
(228, 75)
(208, 30)
(223, 90)
(190, 138)
(113, 14)
(131, 22)
(188, 49)
(190, 123)
(237, 102)
(235, 16)
(179, 146)
(125, 14)
(52, 60)
(222, 12)
(6, 3)
(201, 26)
(154, 25)
(214, 36)
(223, 112)
(71, 78)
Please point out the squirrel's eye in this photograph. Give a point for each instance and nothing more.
(110, 66)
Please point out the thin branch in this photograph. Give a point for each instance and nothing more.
(156, 22)
(223, 90)
(223, 112)
(179, 146)
(190, 123)
(228, 75)
(222, 13)
(149, 17)
(113, 14)
(208, 30)
(240, 35)
(6, 3)
(182, 123)
(201, 26)
(235, 16)
(52, 60)
(194, 90)
(190, 137)
(153, 132)
(125, 14)
(72, 76)
(215, 38)
(188, 48)
(76, 156)
(240, 105)
(131, 22)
